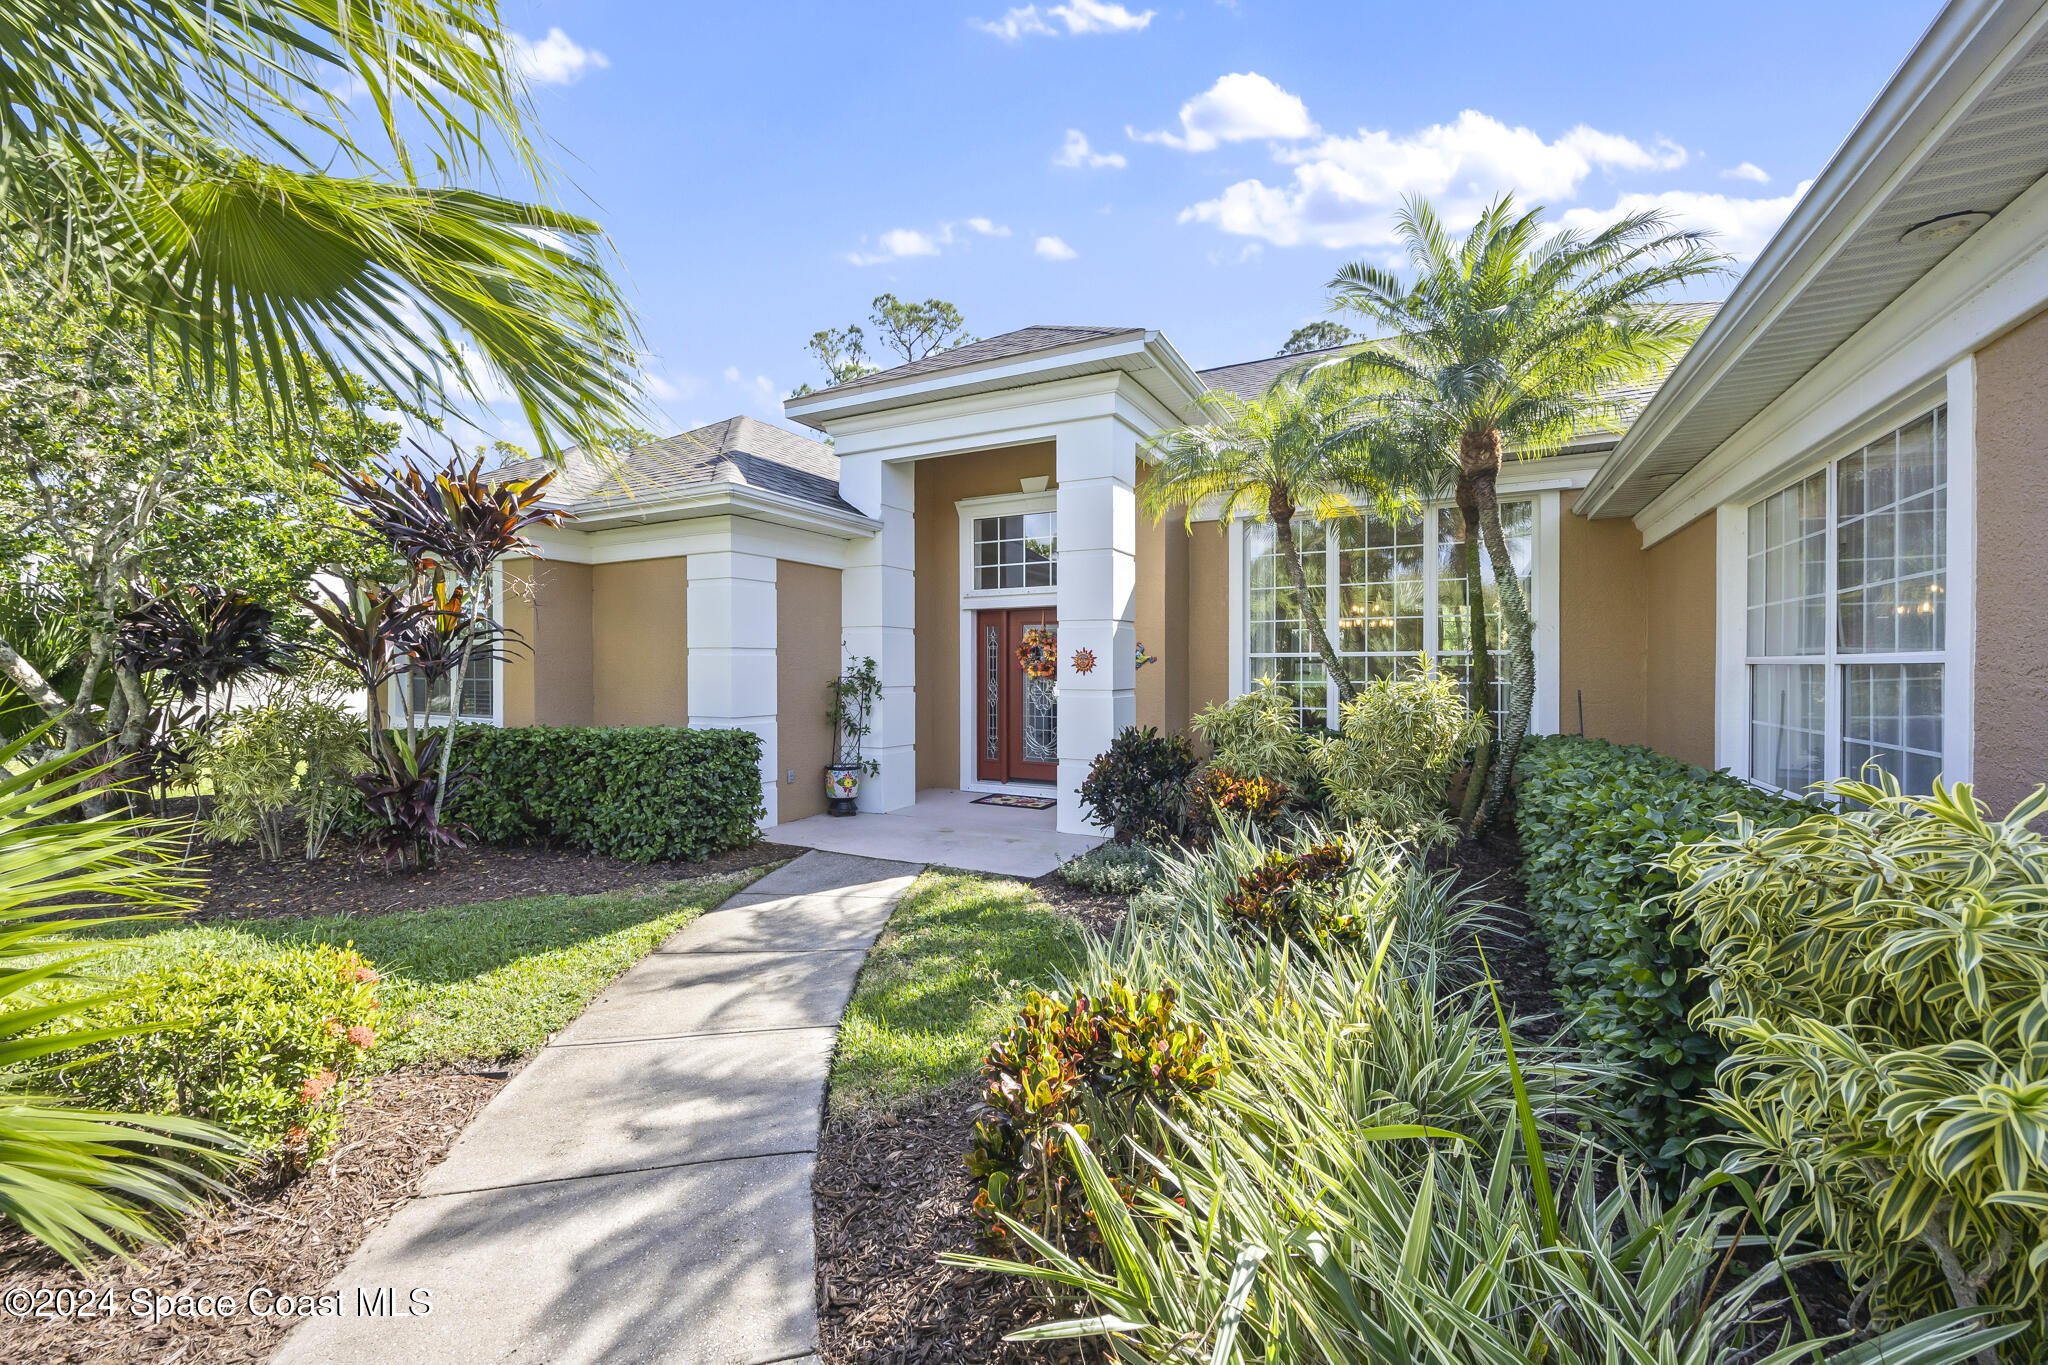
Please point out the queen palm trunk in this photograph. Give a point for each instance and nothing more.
(1281, 508)
(1479, 457)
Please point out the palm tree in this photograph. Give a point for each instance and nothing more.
(1512, 336)
(1285, 453)
(205, 163)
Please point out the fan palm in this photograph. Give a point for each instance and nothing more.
(178, 152)
(1512, 336)
(1284, 453)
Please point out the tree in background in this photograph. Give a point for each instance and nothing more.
(1316, 336)
(122, 489)
(1512, 336)
(204, 164)
(911, 330)
(1285, 453)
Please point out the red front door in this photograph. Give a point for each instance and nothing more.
(1016, 717)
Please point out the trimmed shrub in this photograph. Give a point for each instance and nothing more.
(1390, 761)
(1878, 975)
(1256, 734)
(1055, 1064)
(1113, 869)
(267, 1048)
(1596, 820)
(1135, 787)
(642, 793)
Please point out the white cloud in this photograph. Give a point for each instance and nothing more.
(1345, 191)
(1075, 151)
(894, 245)
(1748, 170)
(1239, 107)
(556, 59)
(732, 374)
(988, 228)
(1053, 249)
(1741, 227)
(1092, 16)
(662, 390)
(1078, 16)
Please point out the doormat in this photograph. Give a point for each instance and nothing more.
(1025, 802)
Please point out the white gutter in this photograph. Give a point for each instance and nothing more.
(723, 499)
(1877, 155)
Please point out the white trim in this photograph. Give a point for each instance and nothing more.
(700, 535)
(1543, 609)
(1240, 611)
(1995, 280)
(1731, 639)
(1959, 676)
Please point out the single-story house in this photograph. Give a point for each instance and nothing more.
(1785, 566)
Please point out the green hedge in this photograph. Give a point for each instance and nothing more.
(643, 793)
(1594, 819)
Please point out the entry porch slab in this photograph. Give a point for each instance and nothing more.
(946, 828)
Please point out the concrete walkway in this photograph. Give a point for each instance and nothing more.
(949, 829)
(641, 1191)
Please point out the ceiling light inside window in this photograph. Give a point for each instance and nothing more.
(1946, 228)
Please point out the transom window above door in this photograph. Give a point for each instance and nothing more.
(1015, 550)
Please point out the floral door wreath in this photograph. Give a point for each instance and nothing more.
(1037, 655)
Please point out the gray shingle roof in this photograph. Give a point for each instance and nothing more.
(738, 451)
(1023, 341)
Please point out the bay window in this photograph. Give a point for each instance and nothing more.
(1846, 630)
(1398, 593)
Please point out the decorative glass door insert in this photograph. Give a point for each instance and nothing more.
(1016, 714)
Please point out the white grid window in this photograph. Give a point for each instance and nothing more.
(478, 692)
(1847, 619)
(1015, 551)
(1400, 592)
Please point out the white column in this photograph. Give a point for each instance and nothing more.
(1097, 463)
(731, 618)
(878, 620)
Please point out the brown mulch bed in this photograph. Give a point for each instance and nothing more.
(1490, 868)
(291, 1240)
(1099, 912)
(891, 1194)
(241, 885)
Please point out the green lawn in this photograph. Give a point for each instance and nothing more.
(936, 989)
(469, 982)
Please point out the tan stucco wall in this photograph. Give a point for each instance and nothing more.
(1679, 596)
(939, 484)
(1162, 619)
(2011, 743)
(1602, 640)
(1208, 666)
(549, 679)
(640, 643)
(515, 613)
(806, 660)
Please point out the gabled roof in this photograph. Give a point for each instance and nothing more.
(737, 452)
(1023, 341)
(1961, 126)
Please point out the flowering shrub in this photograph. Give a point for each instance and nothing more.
(267, 1048)
(1114, 1043)
(1297, 894)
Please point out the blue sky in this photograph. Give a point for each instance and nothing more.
(764, 170)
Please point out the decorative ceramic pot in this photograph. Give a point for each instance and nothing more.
(842, 785)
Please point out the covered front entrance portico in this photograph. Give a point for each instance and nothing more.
(950, 461)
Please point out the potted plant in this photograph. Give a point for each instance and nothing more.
(854, 693)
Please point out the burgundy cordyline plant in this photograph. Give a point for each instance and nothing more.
(450, 528)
